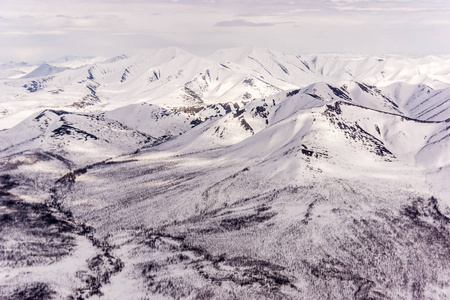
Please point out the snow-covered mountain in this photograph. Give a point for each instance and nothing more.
(246, 174)
(172, 78)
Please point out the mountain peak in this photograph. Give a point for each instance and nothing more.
(45, 70)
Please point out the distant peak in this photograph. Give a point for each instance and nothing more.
(45, 70)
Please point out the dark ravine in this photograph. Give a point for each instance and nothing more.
(102, 266)
(48, 232)
(263, 277)
(45, 238)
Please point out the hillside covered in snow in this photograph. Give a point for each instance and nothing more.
(245, 174)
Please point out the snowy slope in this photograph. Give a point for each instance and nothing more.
(303, 206)
(44, 70)
(77, 139)
(75, 61)
(247, 174)
(172, 77)
(306, 69)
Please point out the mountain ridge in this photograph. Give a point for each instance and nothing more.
(169, 176)
(174, 77)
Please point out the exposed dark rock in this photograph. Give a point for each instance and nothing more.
(307, 152)
(196, 122)
(192, 94)
(315, 96)
(377, 129)
(246, 126)
(343, 94)
(91, 98)
(356, 133)
(376, 92)
(238, 112)
(70, 130)
(249, 82)
(260, 111)
(283, 68)
(37, 85)
(157, 74)
(56, 112)
(292, 93)
(90, 74)
(247, 96)
(125, 75)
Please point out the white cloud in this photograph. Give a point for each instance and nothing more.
(50, 32)
(348, 1)
(436, 22)
(92, 26)
(242, 23)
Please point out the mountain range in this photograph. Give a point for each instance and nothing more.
(245, 174)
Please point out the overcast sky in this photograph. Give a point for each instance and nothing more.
(32, 30)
